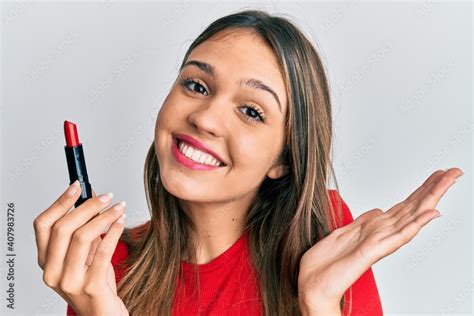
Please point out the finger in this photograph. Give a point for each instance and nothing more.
(45, 221)
(95, 243)
(413, 202)
(407, 219)
(429, 198)
(434, 178)
(111, 278)
(63, 229)
(91, 254)
(404, 234)
(399, 208)
(76, 258)
(94, 195)
(106, 248)
(436, 192)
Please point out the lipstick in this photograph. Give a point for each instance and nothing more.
(76, 163)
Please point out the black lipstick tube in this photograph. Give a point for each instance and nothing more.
(76, 165)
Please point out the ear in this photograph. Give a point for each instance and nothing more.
(277, 171)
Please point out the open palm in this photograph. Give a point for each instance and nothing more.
(334, 263)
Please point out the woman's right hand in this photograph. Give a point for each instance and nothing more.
(76, 261)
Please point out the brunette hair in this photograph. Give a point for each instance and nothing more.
(289, 214)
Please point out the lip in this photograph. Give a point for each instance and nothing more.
(201, 146)
(187, 162)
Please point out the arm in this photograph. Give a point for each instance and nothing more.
(320, 310)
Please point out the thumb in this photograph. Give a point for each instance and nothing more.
(93, 193)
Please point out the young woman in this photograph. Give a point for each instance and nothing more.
(242, 221)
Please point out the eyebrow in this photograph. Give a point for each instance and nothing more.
(251, 83)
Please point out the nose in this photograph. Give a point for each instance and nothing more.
(208, 118)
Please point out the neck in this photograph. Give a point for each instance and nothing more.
(217, 226)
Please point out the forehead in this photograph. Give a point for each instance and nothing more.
(238, 54)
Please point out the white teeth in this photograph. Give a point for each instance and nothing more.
(197, 155)
(188, 152)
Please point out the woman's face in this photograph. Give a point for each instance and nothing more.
(208, 103)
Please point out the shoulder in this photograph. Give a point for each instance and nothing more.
(138, 232)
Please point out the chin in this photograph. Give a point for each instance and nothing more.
(181, 187)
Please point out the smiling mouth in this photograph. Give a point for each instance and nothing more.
(178, 142)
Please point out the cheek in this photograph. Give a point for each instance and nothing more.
(159, 127)
(166, 123)
(167, 117)
(163, 114)
(252, 154)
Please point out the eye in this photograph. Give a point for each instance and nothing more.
(256, 115)
(252, 110)
(186, 82)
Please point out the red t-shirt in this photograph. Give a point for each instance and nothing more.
(228, 283)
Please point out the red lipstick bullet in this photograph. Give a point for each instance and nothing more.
(76, 162)
(70, 131)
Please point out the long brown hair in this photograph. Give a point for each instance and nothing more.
(289, 214)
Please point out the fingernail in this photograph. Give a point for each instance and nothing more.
(121, 219)
(106, 197)
(120, 206)
(439, 215)
(73, 188)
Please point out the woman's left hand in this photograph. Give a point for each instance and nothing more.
(334, 263)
